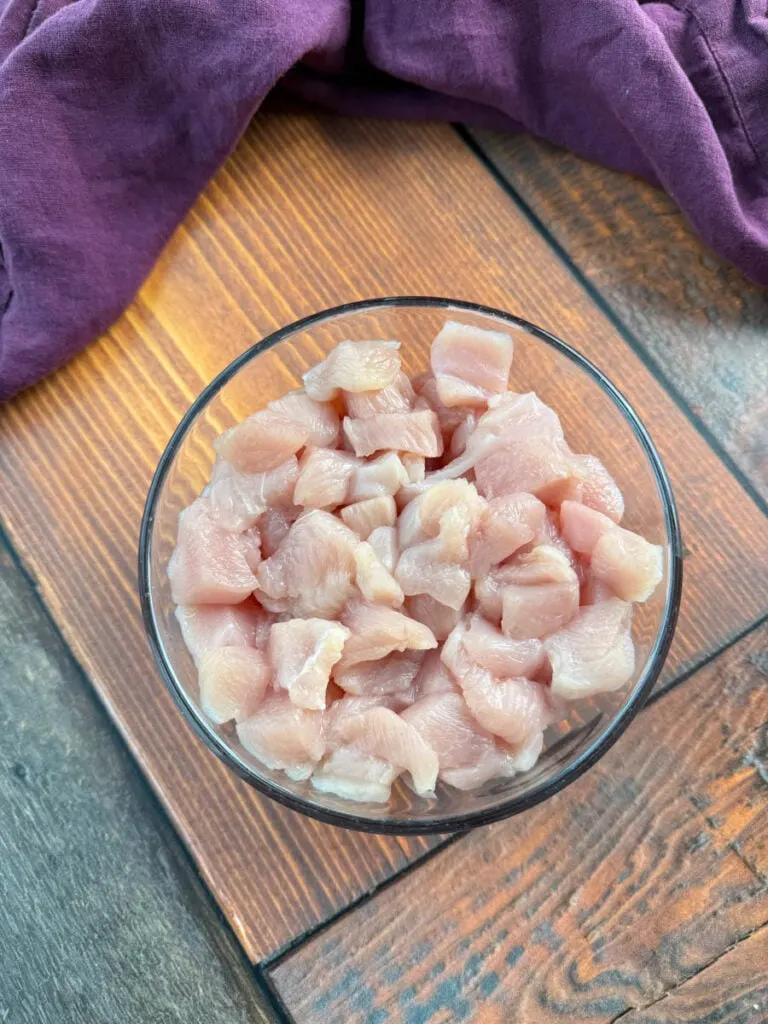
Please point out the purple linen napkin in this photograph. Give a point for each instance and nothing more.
(115, 113)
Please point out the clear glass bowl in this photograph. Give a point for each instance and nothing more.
(597, 419)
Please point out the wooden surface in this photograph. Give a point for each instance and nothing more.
(102, 917)
(603, 899)
(701, 324)
(310, 212)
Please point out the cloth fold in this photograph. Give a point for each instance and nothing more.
(114, 114)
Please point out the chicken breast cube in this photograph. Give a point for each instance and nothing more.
(208, 565)
(440, 618)
(423, 516)
(239, 499)
(488, 647)
(323, 478)
(624, 561)
(377, 631)
(507, 524)
(382, 733)
(352, 775)
(274, 525)
(302, 653)
(205, 627)
(383, 540)
(374, 581)
(594, 653)
(416, 432)
(415, 467)
(366, 516)
(312, 571)
(354, 366)
(380, 476)
(594, 486)
(396, 397)
(261, 442)
(233, 681)
(422, 569)
(320, 418)
(391, 675)
(281, 735)
(470, 363)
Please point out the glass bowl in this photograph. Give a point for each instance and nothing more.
(597, 419)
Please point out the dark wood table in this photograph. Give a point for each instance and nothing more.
(172, 892)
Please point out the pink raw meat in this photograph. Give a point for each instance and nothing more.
(470, 364)
(239, 499)
(366, 516)
(540, 596)
(353, 775)
(262, 442)
(302, 653)
(382, 475)
(320, 418)
(323, 479)
(507, 524)
(488, 647)
(280, 735)
(374, 581)
(421, 569)
(594, 486)
(395, 397)
(377, 631)
(274, 525)
(393, 674)
(354, 366)
(384, 734)
(208, 565)
(416, 432)
(251, 542)
(440, 618)
(594, 652)
(233, 681)
(383, 540)
(204, 627)
(434, 677)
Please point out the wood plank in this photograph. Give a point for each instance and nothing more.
(702, 322)
(598, 901)
(307, 213)
(733, 990)
(101, 915)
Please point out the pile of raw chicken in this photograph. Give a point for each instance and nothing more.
(392, 577)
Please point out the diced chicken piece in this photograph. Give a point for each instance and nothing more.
(460, 436)
(503, 657)
(385, 677)
(352, 775)
(594, 653)
(274, 525)
(434, 677)
(320, 418)
(383, 540)
(313, 569)
(366, 516)
(347, 707)
(415, 467)
(261, 442)
(280, 735)
(440, 618)
(423, 517)
(205, 627)
(377, 631)
(542, 596)
(594, 591)
(324, 476)
(594, 486)
(239, 499)
(354, 366)
(396, 397)
(208, 565)
(624, 561)
(380, 476)
(382, 733)
(494, 763)
(421, 569)
(507, 524)
(302, 653)
(470, 364)
(531, 464)
(425, 386)
(233, 681)
(374, 581)
(416, 432)
(251, 542)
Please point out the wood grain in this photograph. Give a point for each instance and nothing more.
(102, 916)
(307, 213)
(700, 320)
(732, 990)
(600, 900)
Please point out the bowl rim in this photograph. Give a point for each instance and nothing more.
(505, 808)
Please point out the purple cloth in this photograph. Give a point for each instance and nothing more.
(115, 113)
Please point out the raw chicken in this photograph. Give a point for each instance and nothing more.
(208, 565)
(594, 486)
(377, 631)
(274, 525)
(313, 568)
(302, 653)
(540, 596)
(594, 652)
(450, 419)
(374, 581)
(395, 397)
(205, 627)
(251, 542)
(460, 436)
(434, 677)
(423, 517)
(320, 418)
(239, 499)
(384, 734)
(488, 647)
(380, 476)
(323, 479)
(440, 618)
(391, 675)
(415, 467)
(352, 775)
(383, 540)
(470, 364)
(280, 735)
(233, 681)
(506, 525)
(624, 561)
(416, 432)
(366, 516)
(354, 366)
(421, 569)
(262, 442)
